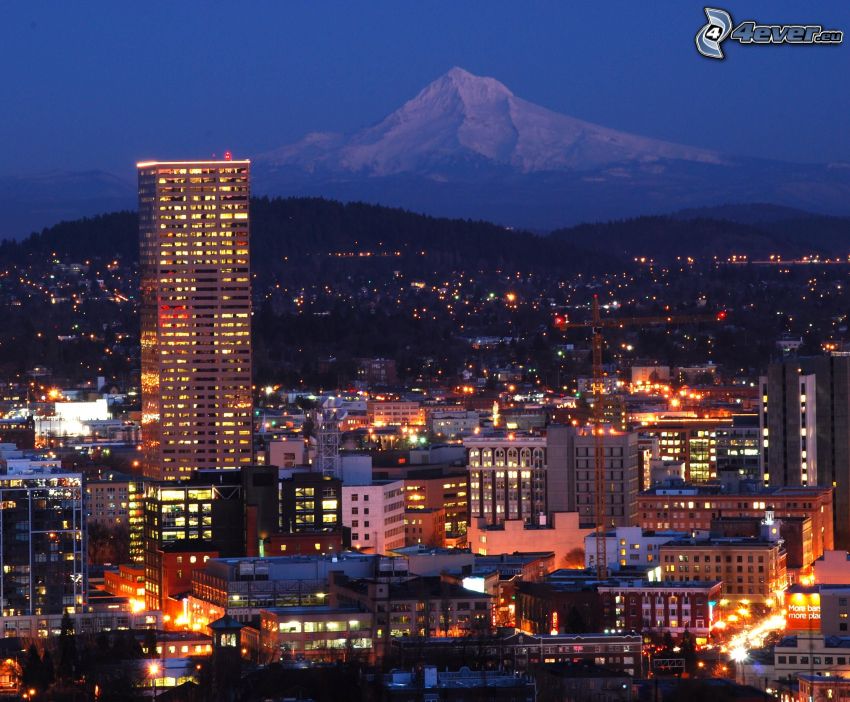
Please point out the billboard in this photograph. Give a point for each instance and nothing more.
(802, 611)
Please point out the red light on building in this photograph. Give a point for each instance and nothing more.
(228, 156)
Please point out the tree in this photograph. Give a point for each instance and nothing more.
(108, 544)
(48, 670)
(689, 652)
(32, 674)
(67, 649)
(575, 623)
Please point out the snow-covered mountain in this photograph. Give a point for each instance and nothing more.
(461, 117)
(467, 146)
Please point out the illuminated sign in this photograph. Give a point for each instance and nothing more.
(802, 611)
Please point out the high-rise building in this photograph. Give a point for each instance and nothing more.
(622, 473)
(42, 544)
(805, 407)
(689, 440)
(532, 477)
(196, 316)
(788, 423)
(507, 478)
(738, 448)
(117, 500)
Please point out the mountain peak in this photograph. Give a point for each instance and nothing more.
(462, 125)
(469, 84)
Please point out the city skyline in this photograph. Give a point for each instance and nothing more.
(509, 356)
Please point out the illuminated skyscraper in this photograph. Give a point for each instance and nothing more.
(196, 316)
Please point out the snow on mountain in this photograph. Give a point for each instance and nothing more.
(461, 118)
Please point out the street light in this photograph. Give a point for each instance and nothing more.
(153, 671)
(739, 654)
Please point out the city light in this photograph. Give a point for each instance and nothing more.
(739, 654)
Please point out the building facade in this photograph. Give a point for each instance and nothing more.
(629, 547)
(375, 515)
(195, 316)
(507, 478)
(310, 502)
(693, 441)
(751, 569)
(521, 651)
(42, 544)
(319, 632)
(788, 424)
(622, 475)
(672, 608)
(824, 382)
(394, 413)
(738, 447)
(694, 508)
(117, 500)
(447, 491)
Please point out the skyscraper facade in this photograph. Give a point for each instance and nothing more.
(814, 449)
(42, 544)
(789, 425)
(196, 316)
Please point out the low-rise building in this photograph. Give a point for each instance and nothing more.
(817, 654)
(519, 651)
(417, 607)
(423, 560)
(454, 423)
(751, 569)
(306, 543)
(398, 413)
(583, 680)
(665, 607)
(686, 507)
(457, 686)
(425, 526)
(561, 534)
(629, 547)
(127, 581)
(241, 587)
(375, 515)
(318, 632)
(820, 688)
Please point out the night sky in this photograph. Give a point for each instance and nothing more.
(102, 84)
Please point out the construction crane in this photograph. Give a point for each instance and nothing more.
(597, 324)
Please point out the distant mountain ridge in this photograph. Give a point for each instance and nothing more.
(299, 238)
(466, 147)
(33, 201)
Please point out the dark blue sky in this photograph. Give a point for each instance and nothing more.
(100, 84)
